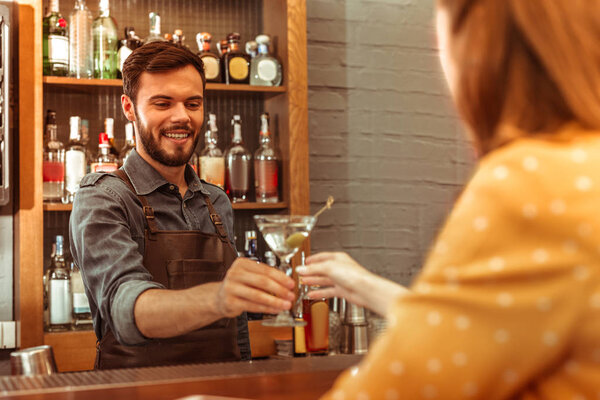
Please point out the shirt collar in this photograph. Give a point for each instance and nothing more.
(145, 179)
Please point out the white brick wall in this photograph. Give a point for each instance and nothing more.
(384, 137)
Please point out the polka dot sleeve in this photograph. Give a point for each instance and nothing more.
(507, 303)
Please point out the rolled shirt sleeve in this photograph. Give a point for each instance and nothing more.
(106, 250)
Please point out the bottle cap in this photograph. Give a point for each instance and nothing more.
(109, 127)
(103, 139)
(51, 117)
(250, 235)
(74, 124)
(129, 131)
(233, 37)
(263, 39)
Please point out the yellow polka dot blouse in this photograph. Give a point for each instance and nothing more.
(508, 303)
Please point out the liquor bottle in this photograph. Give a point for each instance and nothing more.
(54, 162)
(316, 331)
(223, 48)
(56, 42)
(237, 163)
(212, 163)
(266, 165)
(81, 57)
(128, 45)
(237, 63)
(59, 290)
(75, 161)
(109, 128)
(265, 70)
(154, 35)
(129, 143)
(104, 31)
(179, 38)
(212, 62)
(81, 313)
(105, 162)
(251, 246)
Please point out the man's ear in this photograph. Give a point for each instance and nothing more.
(128, 110)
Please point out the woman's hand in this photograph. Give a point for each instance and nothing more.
(340, 276)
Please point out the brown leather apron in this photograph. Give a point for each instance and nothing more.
(179, 260)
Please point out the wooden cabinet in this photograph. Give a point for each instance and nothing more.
(284, 20)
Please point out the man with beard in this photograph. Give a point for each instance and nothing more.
(153, 241)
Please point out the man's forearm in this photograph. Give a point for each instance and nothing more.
(161, 313)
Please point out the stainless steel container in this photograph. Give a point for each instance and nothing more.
(33, 361)
(355, 315)
(355, 339)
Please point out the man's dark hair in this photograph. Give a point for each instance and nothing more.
(157, 57)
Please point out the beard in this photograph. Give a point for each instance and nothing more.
(150, 144)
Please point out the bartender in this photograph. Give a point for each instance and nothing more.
(154, 242)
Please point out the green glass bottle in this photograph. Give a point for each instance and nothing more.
(56, 42)
(104, 31)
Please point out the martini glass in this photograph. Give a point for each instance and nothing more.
(285, 234)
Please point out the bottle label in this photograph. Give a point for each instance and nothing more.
(266, 174)
(238, 68)
(267, 70)
(76, 166)
(58, 49)
(81, 303)
(59, 301)
(211, 68)
(212, 170)
(53, 171)
(104, 167)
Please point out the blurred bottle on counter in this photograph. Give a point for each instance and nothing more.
(81, 57)
(251, 246)
(237, 165)
(212, 62)
(104, 32)
(82, 315)
(54, 161)
(237, 63)
(129, 143)
(179, 38)
(270, 258)
(109, 128)
(75, 161)
(128, 45)
(212, 163)
(265, 70)
(105, 161)
(266, 165)
(55, 43)
(59, 290)
(154, 35)
(316, 331)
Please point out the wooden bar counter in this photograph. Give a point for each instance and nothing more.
(290, 378)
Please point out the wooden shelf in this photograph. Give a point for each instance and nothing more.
(214, 87)
(236, 206)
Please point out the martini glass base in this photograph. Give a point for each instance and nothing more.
(283, 320)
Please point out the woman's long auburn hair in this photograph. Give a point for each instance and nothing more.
(530, 64)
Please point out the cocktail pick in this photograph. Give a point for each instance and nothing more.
(327, 206)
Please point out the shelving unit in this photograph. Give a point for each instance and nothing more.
(285, 20)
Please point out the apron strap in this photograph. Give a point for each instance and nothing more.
(216, 219)
(148, 210)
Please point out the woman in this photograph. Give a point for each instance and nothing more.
(508, 303)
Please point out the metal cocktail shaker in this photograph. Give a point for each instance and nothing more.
(355, 330)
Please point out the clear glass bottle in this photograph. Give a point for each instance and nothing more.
(59, 290)
(265, 70)
(82, 315)
(81, 57)
(212, 62)
(109, 128)
(154, 34)
(54, 162)
(105, 161)
(237, 165)
(128, 45)
(266, 165)
(212, 163)
(55, 43)
(237, 63)
(104, 31)
(129, 143)
(75, 161)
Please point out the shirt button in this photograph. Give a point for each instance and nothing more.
(172, 187)
(184, 205)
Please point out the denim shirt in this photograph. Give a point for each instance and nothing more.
(106, 231)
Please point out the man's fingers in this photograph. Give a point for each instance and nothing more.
(322, 293)
(258, 296)
(256, 268)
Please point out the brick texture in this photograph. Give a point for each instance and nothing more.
(384, 137)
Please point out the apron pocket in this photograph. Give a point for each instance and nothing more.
(183, 274)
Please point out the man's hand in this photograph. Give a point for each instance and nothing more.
(255, 287)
